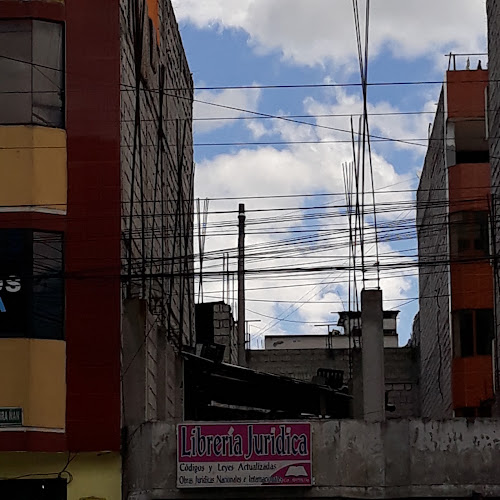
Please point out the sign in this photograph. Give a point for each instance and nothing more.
(244, 455)
(16, 266)
(11, 416)
(10, 285)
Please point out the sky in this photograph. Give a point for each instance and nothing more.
(289, 171)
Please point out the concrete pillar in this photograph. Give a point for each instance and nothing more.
(241, 286)
(372, 340)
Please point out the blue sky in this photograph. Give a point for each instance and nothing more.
(296, 42)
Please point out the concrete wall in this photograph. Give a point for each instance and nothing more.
(152, 372)
(401, 372)
(319, 341)
(351, 459)
(493, 9)
(157, 174)
(432, 231)
(157, 168)
(225, 332)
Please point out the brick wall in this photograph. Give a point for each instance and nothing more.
(157, 197)
(157, 169)
(225, 332)
(401, 372)
(493, 10)
(433, 324)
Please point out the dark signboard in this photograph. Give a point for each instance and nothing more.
(11, 416)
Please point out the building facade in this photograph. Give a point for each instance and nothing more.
(96, 183)
(493, 11)
(455, 323)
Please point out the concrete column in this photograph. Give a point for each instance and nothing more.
(241, 286)
(372, 340)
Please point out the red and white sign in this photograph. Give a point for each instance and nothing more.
(244, 455)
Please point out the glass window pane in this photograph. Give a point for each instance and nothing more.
(15, 71)
(466, 333)
(484, 331)
(48, 74)
(469, 234)
(463, 334)
(48, 286)
(31, 284)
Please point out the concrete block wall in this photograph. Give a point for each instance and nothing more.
(301, 364)
(157, 169)
(432, 231)
(152, 373)
(225, 332)
(401, 372)
(493, 11)
(157, 174)
(351, 459)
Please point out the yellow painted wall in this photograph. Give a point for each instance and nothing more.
(33, 377)
(33, 167)
(93, 474)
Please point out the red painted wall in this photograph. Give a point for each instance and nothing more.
(93, 302)
(471, 282)
(465, 91)
(92, 226)
(472, 381)
(35, 9)
(469, 186)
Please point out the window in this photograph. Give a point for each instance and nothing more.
(472, 332)
(31, 73)
(31, 284)
(469, 234)
(473, 157)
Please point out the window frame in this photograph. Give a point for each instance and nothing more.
(469, 221)
(459, 335)
(36, 303)
(60, 122)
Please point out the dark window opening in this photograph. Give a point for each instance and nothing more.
(465, 412)
(31, 284)
(31, 73)
(484, 331)
(472, 332)
(472, 157)
(469, 234)
(483, 411)
(466, 332)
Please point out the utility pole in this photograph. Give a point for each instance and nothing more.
(241, 286)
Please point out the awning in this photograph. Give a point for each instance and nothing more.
(216, 391)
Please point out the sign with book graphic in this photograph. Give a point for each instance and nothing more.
(244, 455)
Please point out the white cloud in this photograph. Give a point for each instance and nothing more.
(297, 169)
(321, 31)
(229, 103)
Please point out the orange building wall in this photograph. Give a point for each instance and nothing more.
(471, 282)
(154, 15)
(472, 381)
(471, 285)
(469, 187)
(465, 91)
